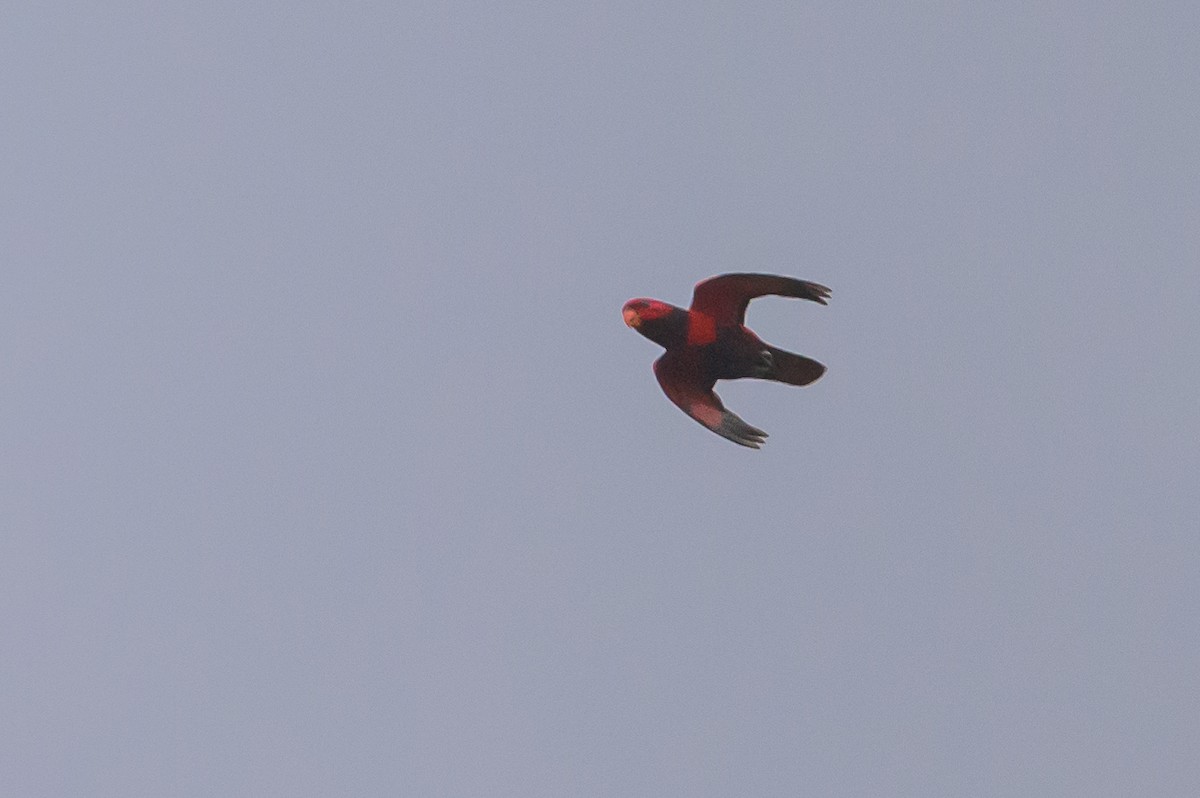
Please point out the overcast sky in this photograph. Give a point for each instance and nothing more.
(329, 468)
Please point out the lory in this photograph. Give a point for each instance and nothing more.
(710, 341)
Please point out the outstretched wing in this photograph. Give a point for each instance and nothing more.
(681, 382)
(724, 298)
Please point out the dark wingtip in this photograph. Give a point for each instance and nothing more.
(738, 431)
(819, 293)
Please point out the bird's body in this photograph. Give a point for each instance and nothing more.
(710, 342)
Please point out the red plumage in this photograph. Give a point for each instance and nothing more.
(710, 342)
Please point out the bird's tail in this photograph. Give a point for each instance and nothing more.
(794, 369)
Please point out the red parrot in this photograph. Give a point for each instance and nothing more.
(710, 342)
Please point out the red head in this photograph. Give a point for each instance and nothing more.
(658, 321)
(639, 311)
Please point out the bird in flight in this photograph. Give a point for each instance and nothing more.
(709, 341)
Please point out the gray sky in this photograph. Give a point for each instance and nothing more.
(330, 469)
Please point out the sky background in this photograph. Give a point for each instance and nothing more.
(327, 466)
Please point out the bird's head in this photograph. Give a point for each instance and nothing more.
(640, 311)
(662, 323)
